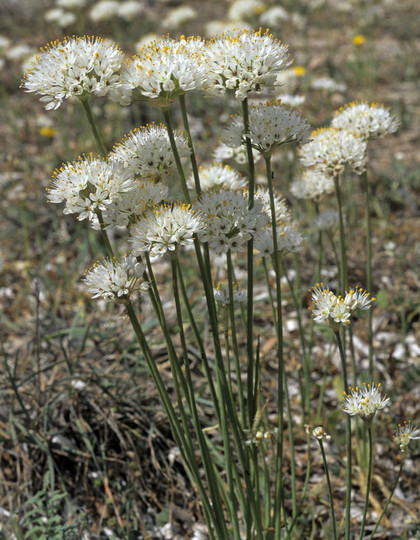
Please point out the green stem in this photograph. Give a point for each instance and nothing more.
(189, 390)
(186, 450)
(388, 501)
(365, 188)
(330, 494)
(190, 143)
(368, 482)
(234, 337)
(343, 259)
(86, 105)
(348, 438)
(280, 357)
(170, 130)
(250, 274)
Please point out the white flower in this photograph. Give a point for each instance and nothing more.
(364, 401)
(281, 210)
(311, 184)
(221, 294)
(89, 184)
(270, 125)
(245, 9)
(218, 175)
(325, 83)
(274, 16)
(335, 310)
(70, 4)
(114, 279)
(326, 220)
(164, 228)
(243, 61)
(291, 100)
(238, 154)
(216, 28)
(230, 223)
(130, 205)
(74, 67)
(330, 150)
(365, 120)
(404, 434)
(147, 152)
(104, 10)
(178, 16)
(289, 240)
(130, 9)
(162, 70)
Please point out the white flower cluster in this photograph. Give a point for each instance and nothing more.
(114, 279)
(89, 184)
(326, 220)
(364, 401)
(239, 154)
(164, 228)
(335, 310)
(147, 152)
(221, 295)
(162, 70)
(330, 150)
(281, 210)
(311, 184)
(130, 205)
(243, 61)
(369, 121)
(289, 240)
(405, 433)
(230, 223)
(218, 176)
(74, 67)
(270, 124)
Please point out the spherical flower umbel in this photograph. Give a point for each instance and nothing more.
(405, 433)
(164, 228)
(270, 125)
(336, 310)
(369, 121)
(364, 402)
(130, 205)
(230, 223)
(88, 185)
(218, 176)
(114, 279)
(74, 67)
(162, 70)
(289, 240)
(243, 61)
(312, 184)
(330, 150)
(147, 151)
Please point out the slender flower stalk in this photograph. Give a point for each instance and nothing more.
(320, 434)
(368, 481)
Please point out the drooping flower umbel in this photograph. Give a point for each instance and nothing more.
(369, 121)
(146, 151)
(364, 401)
(114, 279)
(88, 185)
(74, 67)
(270, 124)
(243, 61)
(330, 150)
(335, 310)
(229, 222)
(162, 70)
(164, 228)
(405, 433)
